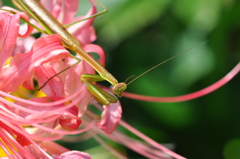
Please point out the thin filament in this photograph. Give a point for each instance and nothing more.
(190, 96)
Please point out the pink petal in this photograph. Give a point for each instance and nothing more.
(72, 83)
(70, 123)
(74, 74)
(22, 66)
(70, 120)
(28, 84)
(64, 11)
(110, 117)
(85, 35)
(73, 77)
(23, 45)
(9, 31)
(73, 155)
(27, 30)
(21, 139)
(54, 87)
(84, 31)
(96, 49)
(87, 23)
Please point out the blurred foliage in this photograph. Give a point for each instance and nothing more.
(138, 34)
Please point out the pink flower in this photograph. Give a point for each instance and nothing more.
(17, 141)
(28, 126)
(45, 117)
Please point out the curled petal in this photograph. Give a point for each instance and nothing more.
(8, 32)
(70, 123)
(97, 49)
(110, 117)
(22, 66)
(70, 119)
(73, 155)
(86, 23)
(25, 31)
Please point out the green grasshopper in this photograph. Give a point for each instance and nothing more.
(52, 26)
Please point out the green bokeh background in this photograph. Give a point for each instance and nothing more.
(138, 34)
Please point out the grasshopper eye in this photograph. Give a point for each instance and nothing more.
(119, 88)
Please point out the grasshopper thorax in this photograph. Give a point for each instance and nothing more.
(119, 88)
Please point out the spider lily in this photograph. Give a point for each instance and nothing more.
(25, 123)
(28, 126)
(29, 123)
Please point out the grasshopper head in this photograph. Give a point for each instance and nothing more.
(119, 88)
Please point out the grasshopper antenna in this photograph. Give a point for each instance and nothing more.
(129, 78)
(164, 62)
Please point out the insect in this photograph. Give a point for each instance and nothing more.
(52, 26)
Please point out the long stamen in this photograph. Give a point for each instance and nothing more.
(190, 96)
